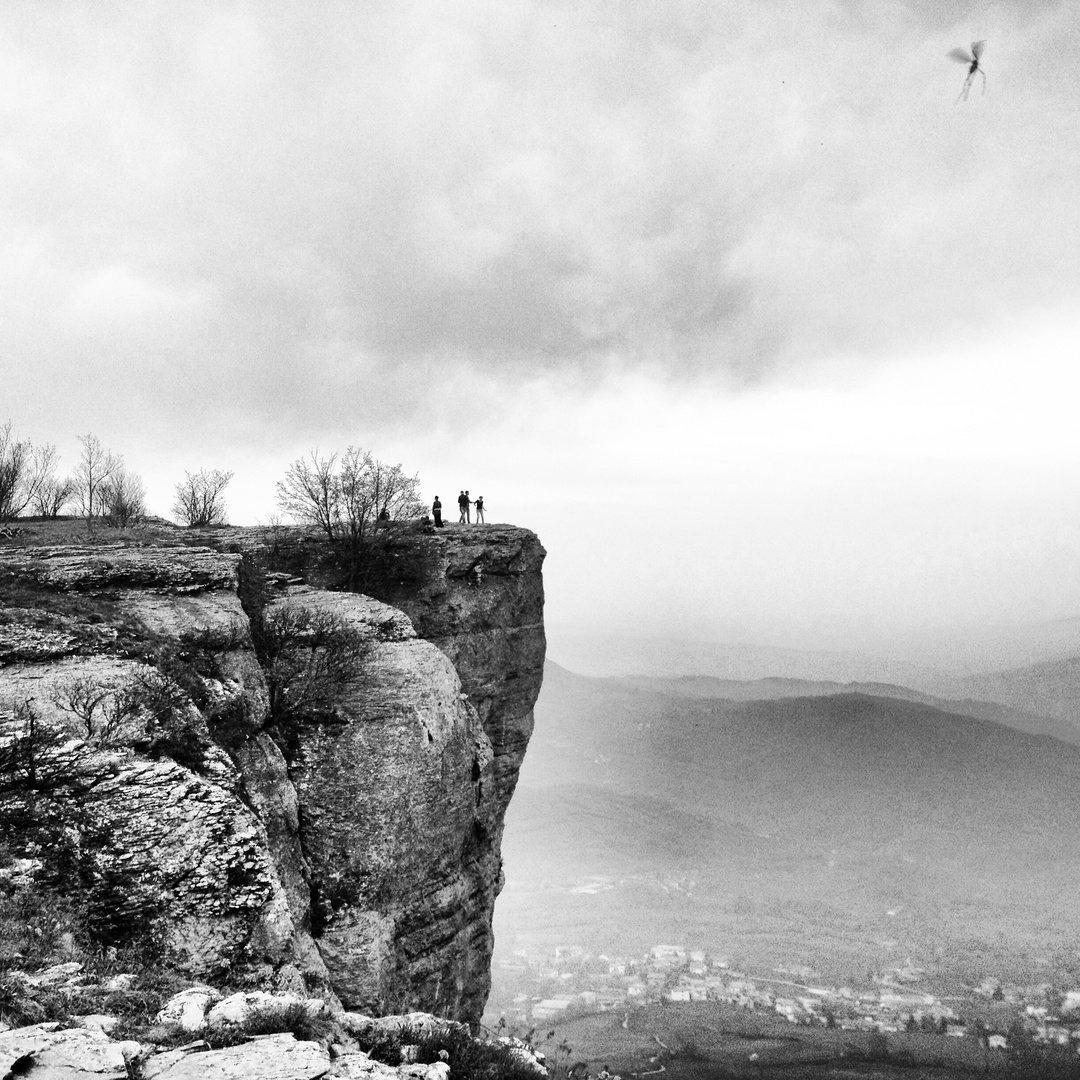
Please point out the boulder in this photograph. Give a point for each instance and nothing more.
(241, 1007)
(187, 1009)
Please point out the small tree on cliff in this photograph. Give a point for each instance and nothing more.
(309, 492)
(346, 496)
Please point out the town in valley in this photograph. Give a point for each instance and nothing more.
(538, 987)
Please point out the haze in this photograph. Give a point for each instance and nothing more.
(768, 337)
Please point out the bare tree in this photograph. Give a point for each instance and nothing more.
(48, 493)
(53, 495)
(15, 458)
(122, 498)
(200, 497)
(371, 490)
(95, 468)
(310, 491)
(346, 497)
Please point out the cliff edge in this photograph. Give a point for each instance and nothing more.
(267, 781)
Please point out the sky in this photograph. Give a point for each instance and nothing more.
(766, 334)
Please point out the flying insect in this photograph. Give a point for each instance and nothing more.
(972, 60)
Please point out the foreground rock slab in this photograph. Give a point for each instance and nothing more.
(271, 1057)
(43, 1053)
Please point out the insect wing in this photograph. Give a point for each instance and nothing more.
(960, 55)
(977, 49)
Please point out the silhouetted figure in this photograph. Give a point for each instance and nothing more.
(468, 503)
(385, 515)
(436, 512)
(972, 59)
(479, 504)
(463, 506)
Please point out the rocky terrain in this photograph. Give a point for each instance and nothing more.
(201, 1032)
(275, 784)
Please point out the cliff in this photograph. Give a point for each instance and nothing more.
(267, 781)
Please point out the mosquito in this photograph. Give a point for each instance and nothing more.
(972, 59)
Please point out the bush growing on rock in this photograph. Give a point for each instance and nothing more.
(34, 757)
(469, 1058)
(154, 711)
(310, 659)
(103, 712)
(296, 1017)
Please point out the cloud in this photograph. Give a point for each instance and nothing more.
(308, 215)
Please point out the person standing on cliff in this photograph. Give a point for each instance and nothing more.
(436, 512)
(479, 504)
(463, 507)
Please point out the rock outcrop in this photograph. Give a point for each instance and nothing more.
(397, 820)
(353, 841)
(478, 594)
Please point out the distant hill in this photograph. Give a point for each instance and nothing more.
(963, 700)
(842, 825)
(773, 760)
(1051, 688)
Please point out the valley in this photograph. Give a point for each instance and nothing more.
(840, 834)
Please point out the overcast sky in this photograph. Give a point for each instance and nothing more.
(767, 335)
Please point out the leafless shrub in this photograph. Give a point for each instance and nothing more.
(30, 752)
(310, 659)
(310, 492)
(123, 499)
(104, 713)
(53, 495)
(46, 495)
(200, 497)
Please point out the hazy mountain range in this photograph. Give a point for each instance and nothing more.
(831, 824)
(981, 697)
(929, 662)
(1051, 688)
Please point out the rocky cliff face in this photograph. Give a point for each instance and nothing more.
(477, 593)
(276, 814)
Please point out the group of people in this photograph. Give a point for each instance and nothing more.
(465, 505)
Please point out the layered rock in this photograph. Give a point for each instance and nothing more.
(355, 845)
(152, 803)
